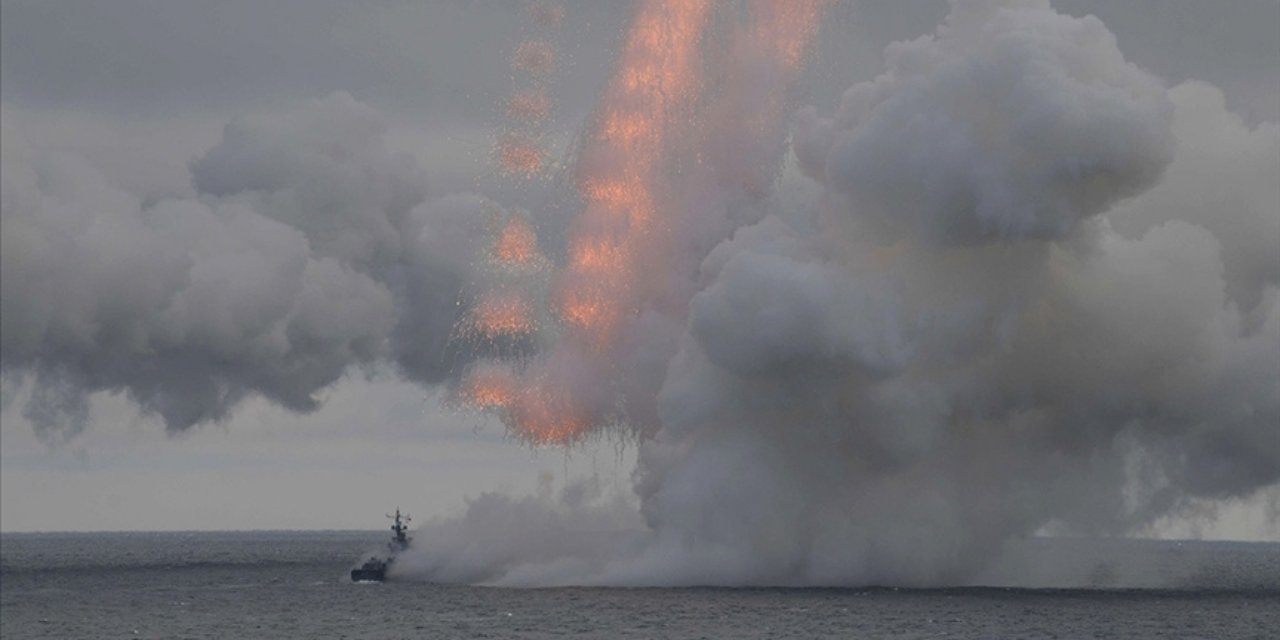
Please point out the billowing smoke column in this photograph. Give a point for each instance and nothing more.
(1018, 300)
(1012, 285)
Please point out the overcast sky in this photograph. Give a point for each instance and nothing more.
(137, 89)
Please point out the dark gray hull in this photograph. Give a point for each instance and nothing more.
(374, 570)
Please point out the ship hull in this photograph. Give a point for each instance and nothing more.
(368, 575)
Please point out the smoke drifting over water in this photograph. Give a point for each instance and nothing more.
(1013, 284)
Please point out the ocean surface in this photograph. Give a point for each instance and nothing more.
(295, 585)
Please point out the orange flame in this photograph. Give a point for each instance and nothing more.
(620, 174)
(624, 179)
(502, 315)
(516, 245)
(541, 414)
(519, 154)
(489, 387)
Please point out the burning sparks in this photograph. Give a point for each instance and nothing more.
(518, 154)
(534, 57)
(529, 105)
(535, 412)
(517, 245)
(543, 414)
(620, 172)
(624, 177)
(786, 27)
(489, 387)
(598, 257)
(502, 315)
(626, 129)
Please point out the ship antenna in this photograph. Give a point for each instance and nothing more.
(400, 527)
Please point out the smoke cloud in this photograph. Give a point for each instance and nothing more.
(308, 249)
(1012, 285)
(1024, 299)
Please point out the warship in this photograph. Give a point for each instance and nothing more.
(375, 569)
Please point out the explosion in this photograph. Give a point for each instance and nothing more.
(620, 167)
(789, 373)
(548, 414)
(622, 175)
(1013, 285)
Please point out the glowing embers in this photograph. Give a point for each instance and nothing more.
(529, 105)
(489, 386)
(595, 289)
(500, 314)
(628, 128)
(534, 57)
(546, 414)
(597, 256)
(561, 388)
(615, 198)
(620, 171)
(519, 154)
(788, 27)
(661, 55)
(589, 309)
(516, 245)
(531, 406)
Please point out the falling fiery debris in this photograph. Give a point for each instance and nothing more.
(534, 56)
(623, 176)
(529, 105)
(615, 195)
(535, 412)
(588, 308)
(620, 171)
(502, 314)
(786, 27)
(519, 154)
(620, 175)
(489, 386)
(517, 244)
(598, 256)
(543, 413)
(748, 111)
(546, 14)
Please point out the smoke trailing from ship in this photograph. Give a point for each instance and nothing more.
(1014, 284)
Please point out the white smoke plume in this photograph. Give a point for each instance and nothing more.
(308, 249)
(1027, 298)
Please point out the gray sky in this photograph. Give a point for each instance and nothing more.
(137, 89)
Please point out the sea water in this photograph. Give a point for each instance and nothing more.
(296, 585)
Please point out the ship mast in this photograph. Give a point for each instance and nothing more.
(399, 528)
